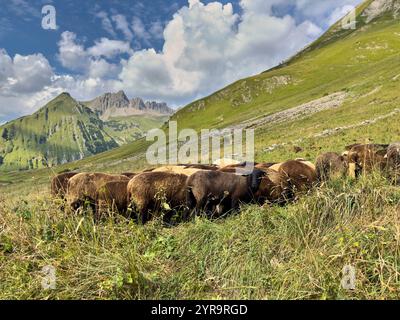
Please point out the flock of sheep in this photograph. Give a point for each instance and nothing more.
(215, 190)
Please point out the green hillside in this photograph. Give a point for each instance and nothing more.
(64, 131)
(363, 63)
(60, 132)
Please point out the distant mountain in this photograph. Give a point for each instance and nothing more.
(63, 130)
(66, 130)
(111, 105)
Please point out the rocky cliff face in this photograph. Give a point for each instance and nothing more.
(380, 7)
(112, 105)
(161, 108)
(109, 100)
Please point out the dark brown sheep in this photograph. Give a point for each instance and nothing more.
(301, 175)
(59, 184)
(82, 188)
(393, 161)
(364, 158)
(331, 165)
(274, 188)
(148, 192)
(393, 155)
(112, 197)
(209, 189)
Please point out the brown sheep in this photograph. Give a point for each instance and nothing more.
(112, 196)
(301, 175)
(274, 188)
(277, 166)
(370, 145)
(150, 190)
(208, 189)
(83, 186)
(393, 155)
(364, 158)
(59, 184)
(331, 165)
(393, 161)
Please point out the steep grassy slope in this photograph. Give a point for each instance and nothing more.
(356, 62)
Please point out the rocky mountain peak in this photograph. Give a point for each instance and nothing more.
(109, 100)
(158, 107)
(379, 7)
(117, 104)
(137, 103)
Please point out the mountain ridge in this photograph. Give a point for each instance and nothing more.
(111, 105)
(66, 130)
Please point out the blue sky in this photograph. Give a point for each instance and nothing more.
(21, 31)
(174, 51)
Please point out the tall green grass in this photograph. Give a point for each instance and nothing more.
(295, 252)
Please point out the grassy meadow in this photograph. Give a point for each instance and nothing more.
(296, 252)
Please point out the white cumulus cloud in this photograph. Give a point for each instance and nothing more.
(208, 46)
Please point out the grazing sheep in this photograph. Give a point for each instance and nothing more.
(59, 184)
(301, 175)
(112, 196)
(274, 188)
(207, 189)
(331, 165)
(148, 192)
(277, 166)
(393, 161)
(83, 186)
(364, 158)
(393, 155)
